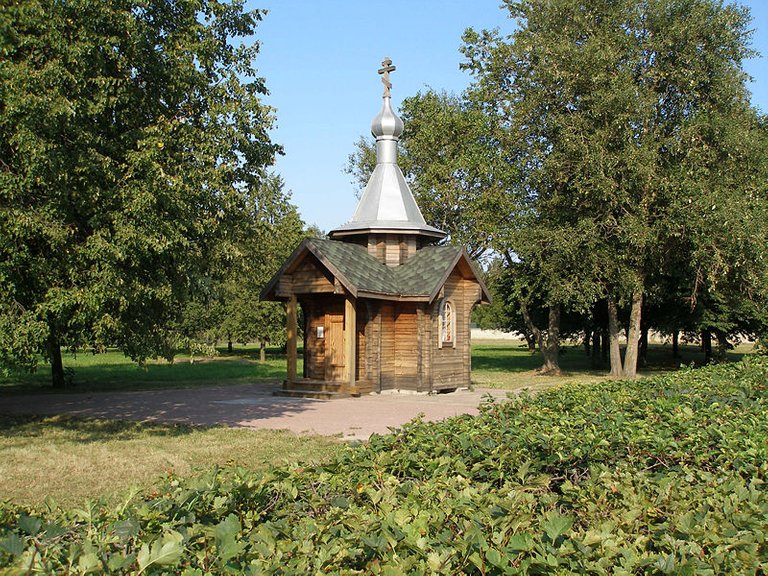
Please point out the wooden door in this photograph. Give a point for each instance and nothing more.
(334, 347)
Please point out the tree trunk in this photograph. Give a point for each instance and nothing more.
(535, 332)
(229, 342)
(596, 348)
(633, 335)
(706, 345)
(604, 344)
(551, 351)
(643, 357)
(530, 340)
(587, 336)
(57, 366)
(722, 345)
(613, 336)
(262, 351)
(676, 344)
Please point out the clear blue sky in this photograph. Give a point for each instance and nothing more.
(320, 58)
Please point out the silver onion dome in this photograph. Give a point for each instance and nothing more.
(387, 204)
(387, 124)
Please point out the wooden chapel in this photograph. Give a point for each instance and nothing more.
(384, 308)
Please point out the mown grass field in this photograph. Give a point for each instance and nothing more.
(503, 364)
(508, 364)
(71, 460)
(112, 371)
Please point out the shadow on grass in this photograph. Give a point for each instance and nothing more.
(231, 406)
(86, 430)
(518, 359)
(504, 359)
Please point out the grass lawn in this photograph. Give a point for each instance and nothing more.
(112, 371)
(507, 364)
(74, 459)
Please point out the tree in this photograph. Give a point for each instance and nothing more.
(130, 135)
(275, 230)
(628, 111)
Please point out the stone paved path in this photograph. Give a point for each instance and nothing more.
(254, 406)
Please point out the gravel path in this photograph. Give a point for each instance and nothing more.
(254, 406)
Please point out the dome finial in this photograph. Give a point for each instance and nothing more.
(384, 71)
(386, 125)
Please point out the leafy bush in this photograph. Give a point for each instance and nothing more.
(665, 475)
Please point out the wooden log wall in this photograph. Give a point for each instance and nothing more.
(374, 346)
(387, 347)
(392, 256)
(428, 326)
(406, 347)
(396, 344)
(291, 334)
(407, 247)
(308, 278)
(377, 248)
(451, 365)
(392, 249)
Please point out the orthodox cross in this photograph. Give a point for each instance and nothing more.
(384, 71)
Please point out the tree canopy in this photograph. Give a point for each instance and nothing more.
(643, 158)
(132, 138)
(230, 309)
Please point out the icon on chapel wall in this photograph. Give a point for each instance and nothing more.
(321, 331)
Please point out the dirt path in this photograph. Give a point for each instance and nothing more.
(254, 406)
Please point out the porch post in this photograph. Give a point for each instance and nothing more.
(350, 345)
(291, 333)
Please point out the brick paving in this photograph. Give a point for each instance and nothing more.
(255, 406)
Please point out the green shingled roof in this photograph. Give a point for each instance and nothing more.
(353, 263)
(420, 275)
(424, 272)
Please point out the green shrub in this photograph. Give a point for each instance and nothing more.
(663, 475)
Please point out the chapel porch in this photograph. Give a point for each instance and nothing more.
(323, 389)
(331, 354)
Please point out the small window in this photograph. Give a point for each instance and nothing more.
(447, 324)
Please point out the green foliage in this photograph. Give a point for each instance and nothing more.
(21, 335)
(643, 165)
(230, 309)
(132, 137)
(660, 476)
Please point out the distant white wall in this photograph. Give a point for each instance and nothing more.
(480, 334)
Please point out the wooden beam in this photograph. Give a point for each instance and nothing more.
(350, 344)
(419, 348)
(292, 330)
